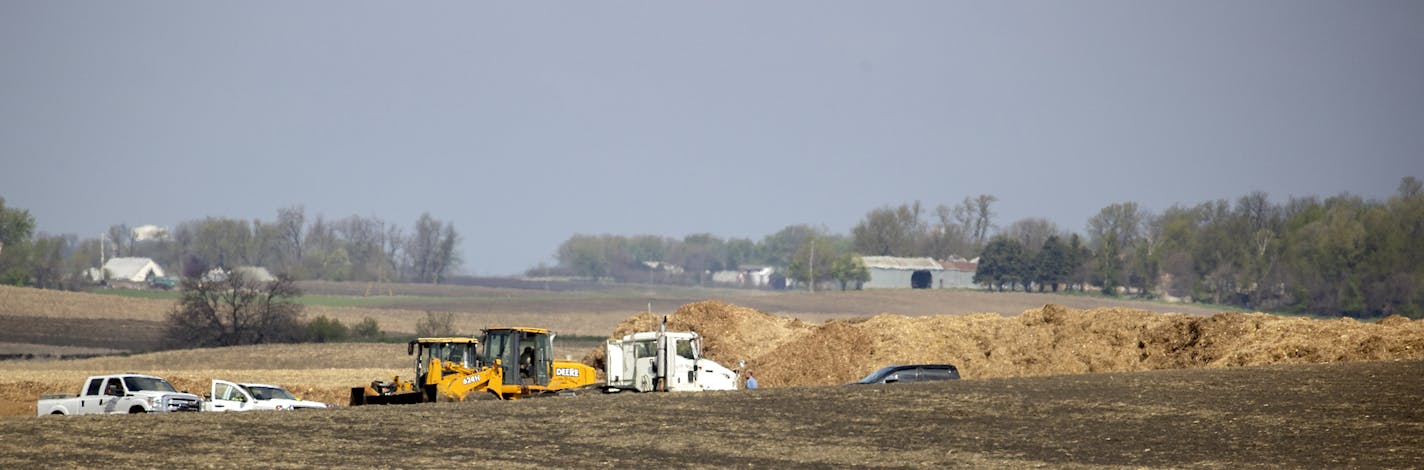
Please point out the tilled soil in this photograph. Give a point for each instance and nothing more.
(121, 334)
(1348, 415)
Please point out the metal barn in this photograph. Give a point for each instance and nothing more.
(890, 272)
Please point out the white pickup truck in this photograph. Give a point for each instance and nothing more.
(120, 393)
(229, 396)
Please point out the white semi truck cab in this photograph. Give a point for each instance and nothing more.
(120, 393)
(663, 361)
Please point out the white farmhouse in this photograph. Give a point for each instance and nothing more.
(129, 271)
(745, 276)
(250, 273)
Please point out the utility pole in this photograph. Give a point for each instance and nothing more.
(103, 276)
(812, 278)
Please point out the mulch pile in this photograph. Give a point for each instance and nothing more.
(1051, 340)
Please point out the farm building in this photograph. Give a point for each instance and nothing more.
(890, 272)
(149, 233)
(745, 276)
(250, 273)
(958, 274)
(131, 271)
(759, 276)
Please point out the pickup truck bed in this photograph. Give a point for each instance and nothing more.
(120, 393)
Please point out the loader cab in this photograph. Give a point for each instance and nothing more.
(449, 351)
(524, 354)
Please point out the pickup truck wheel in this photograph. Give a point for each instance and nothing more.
(136, 410)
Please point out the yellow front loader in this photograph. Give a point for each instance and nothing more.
(519, 363)
(513, 363)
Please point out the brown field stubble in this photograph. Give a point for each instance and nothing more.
(1017, 409)
(1353, 415)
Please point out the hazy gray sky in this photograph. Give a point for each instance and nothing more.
(526, 122)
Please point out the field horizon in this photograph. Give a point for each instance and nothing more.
(46, 323)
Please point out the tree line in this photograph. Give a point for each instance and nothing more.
(354, 248)
(802, 254)
(799, 252)
(1340, 255)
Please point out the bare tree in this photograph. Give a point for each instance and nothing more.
(219, 241)
(364, 246)
(447, 257)
(420, 248)
(234, 310)
(266, 249)
(393, 241)
(118, 239)
(430, 251)
(1115, 233)
(890, 231)
(984, 217)
(290, 222)
(436, 324)
(1257, 210)
(976, 215)
(948, 237)
(1032, 233)
(964, 216)
(1410, 187)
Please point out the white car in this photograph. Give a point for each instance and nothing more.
(229, 396)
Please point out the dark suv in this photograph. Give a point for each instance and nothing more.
(912, 373)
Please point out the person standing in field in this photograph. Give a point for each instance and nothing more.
(751, 381)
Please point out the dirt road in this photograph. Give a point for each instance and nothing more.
(1362, 415)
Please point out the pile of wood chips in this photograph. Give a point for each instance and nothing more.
(1051, 340)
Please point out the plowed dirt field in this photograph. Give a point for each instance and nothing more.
(1354, 415)
(1051, 386)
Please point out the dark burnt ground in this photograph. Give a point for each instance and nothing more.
(1364, 415)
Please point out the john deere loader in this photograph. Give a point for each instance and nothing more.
(507, 363)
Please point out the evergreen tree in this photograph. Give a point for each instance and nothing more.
(1002, 262)
(1054, 264)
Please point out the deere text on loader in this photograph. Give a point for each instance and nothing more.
(521, 363)
(513, 363)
